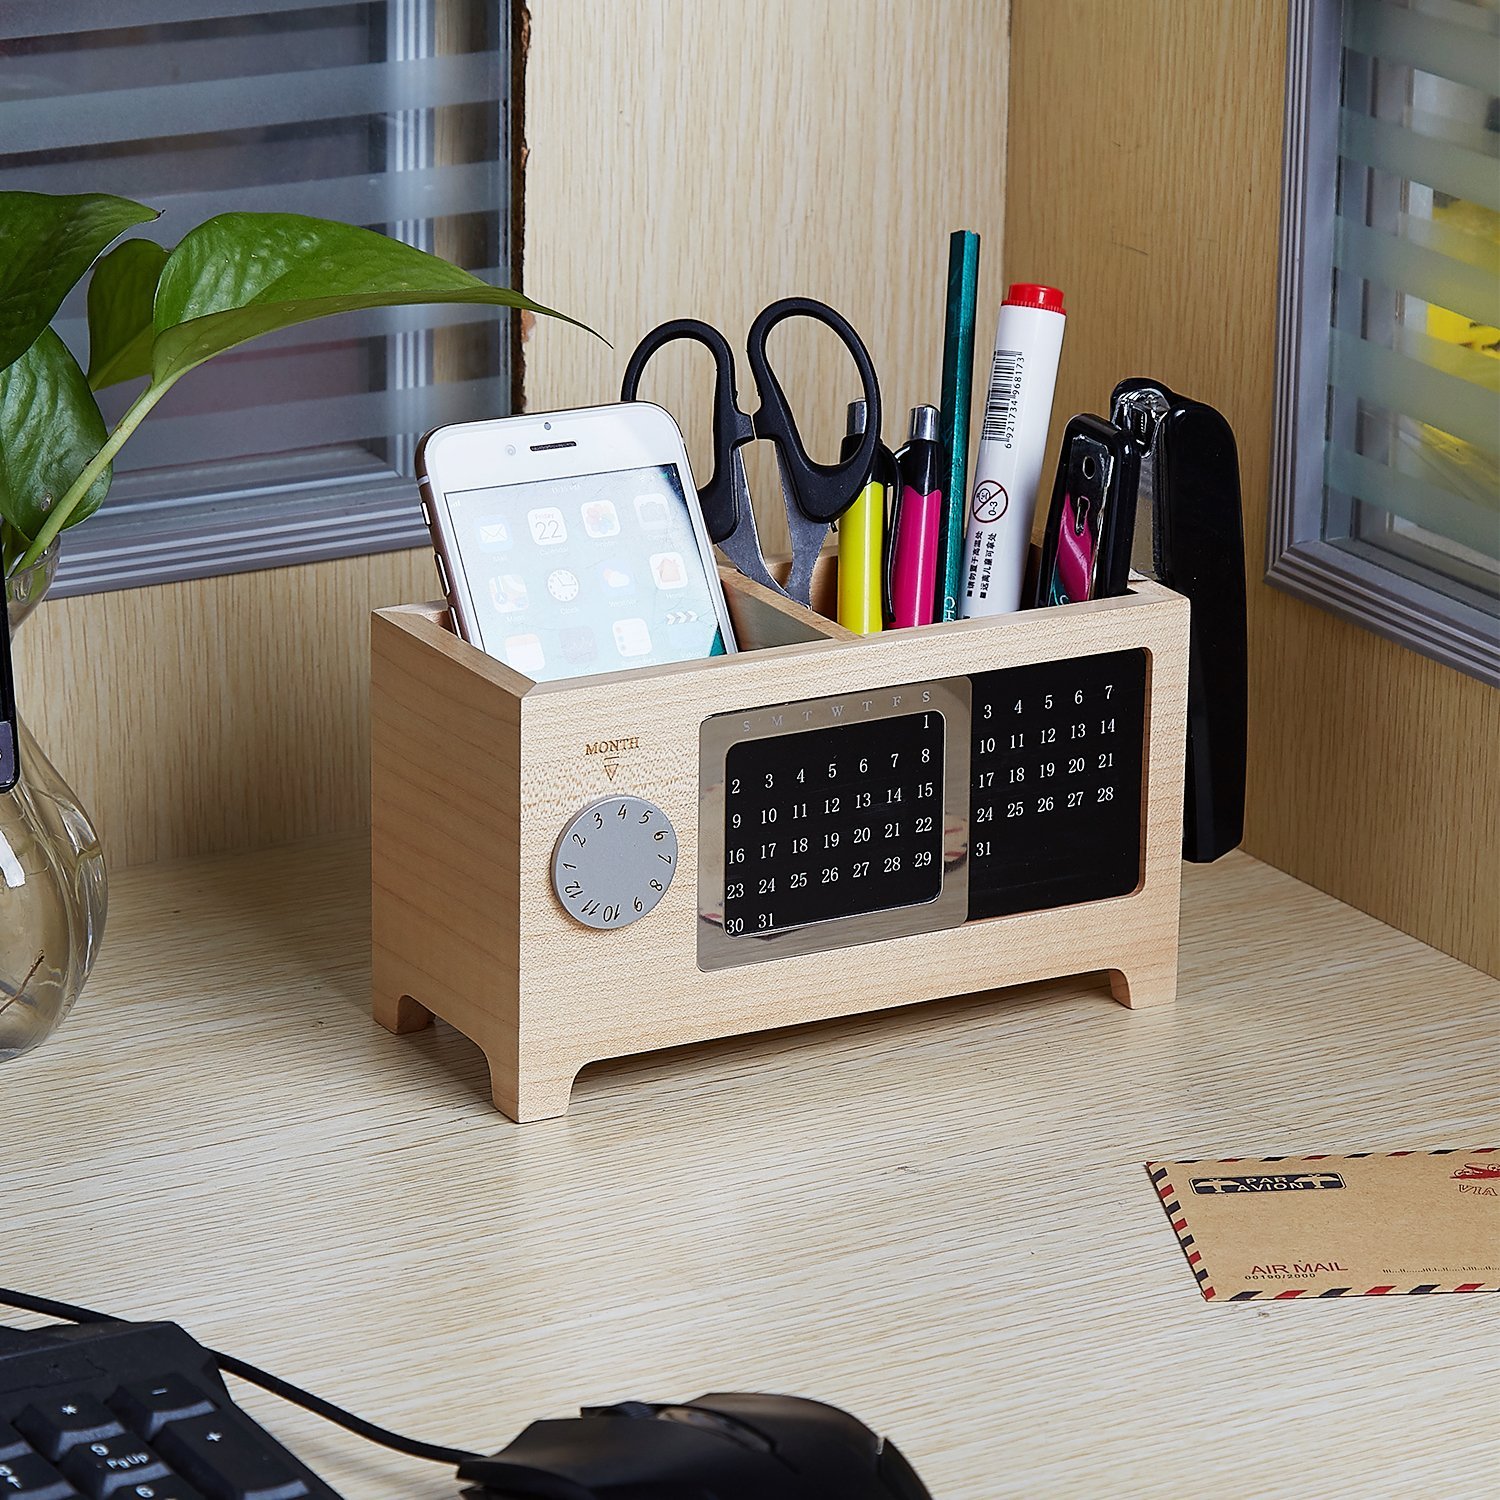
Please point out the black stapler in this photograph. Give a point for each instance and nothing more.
(9, 735)
(1190, 487)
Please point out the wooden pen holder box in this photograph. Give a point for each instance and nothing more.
(821, 825)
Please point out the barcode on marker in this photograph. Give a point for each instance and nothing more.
(1000, 404)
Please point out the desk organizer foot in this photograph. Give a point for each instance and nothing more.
(1142, 988)
(400, 1013)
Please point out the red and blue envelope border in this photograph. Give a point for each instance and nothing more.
(1160, 1174)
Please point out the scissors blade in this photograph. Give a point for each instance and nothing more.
(742, 545)
(807, 536)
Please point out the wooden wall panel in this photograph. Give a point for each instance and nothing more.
(1155, 202)
(703, 157)
(225, 714)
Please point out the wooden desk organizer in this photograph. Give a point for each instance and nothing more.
(476, 770)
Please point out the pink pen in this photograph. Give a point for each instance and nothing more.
(914, 551)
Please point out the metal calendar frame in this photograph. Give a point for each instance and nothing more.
(949, 908)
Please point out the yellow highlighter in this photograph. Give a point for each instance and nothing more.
(862, 537)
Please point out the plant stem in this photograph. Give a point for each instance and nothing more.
(57, 517)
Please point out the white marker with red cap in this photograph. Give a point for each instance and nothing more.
(1012, 445)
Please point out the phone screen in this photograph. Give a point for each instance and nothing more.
(588, 573)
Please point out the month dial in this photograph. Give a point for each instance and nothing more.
(614, 860)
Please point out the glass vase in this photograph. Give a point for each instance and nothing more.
(53, 887)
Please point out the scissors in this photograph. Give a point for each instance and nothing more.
(815, 494)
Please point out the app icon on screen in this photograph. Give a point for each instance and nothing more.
(578, 644)
(668, 570)
(508, 592)
(562, 585)
(547, 527)
(632, 638)
(494, 536)
(600, 518)
(653, 512)
(524, 653)
(616, 580)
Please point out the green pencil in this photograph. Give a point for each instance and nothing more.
(953, 428)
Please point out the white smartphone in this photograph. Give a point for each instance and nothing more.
(571, 542)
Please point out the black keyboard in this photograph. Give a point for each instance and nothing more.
(131, 1411)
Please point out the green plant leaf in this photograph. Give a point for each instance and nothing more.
(50, 428)
(240, 275)
(47, 242)
(121, 292)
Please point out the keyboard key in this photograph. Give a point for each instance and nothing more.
(158, 1489)
(148, 1405)
(63, 1422)
(108, 1467)
(12, 1444)
(29, 1476)
(228, 1462)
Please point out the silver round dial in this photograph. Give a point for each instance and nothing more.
(614, 860)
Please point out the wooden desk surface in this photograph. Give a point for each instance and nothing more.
(869, 1211)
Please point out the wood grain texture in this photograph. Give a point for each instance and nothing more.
(1155, 203)
(224, 714)
(760, 615)
(936, 1217)
(701, 158)
(477, 769)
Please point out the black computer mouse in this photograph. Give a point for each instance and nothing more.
(739, 1446)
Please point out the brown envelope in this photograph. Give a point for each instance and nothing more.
(1279, 1227)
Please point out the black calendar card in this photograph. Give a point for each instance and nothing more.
(1056, 765)
(833, 823)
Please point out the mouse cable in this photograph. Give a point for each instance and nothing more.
(412, 1447)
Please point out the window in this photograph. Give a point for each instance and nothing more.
(393, 116)
(1386, 471)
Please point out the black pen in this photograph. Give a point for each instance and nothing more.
(10, 769)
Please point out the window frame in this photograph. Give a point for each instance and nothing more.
(351, 506)
(1352, 579)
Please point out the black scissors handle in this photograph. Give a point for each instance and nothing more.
(717, 497)
(822, 492)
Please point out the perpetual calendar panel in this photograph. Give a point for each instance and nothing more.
(1055, 776)
(833, 823)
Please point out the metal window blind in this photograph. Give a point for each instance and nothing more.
(1414, 368)
(389, 115)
